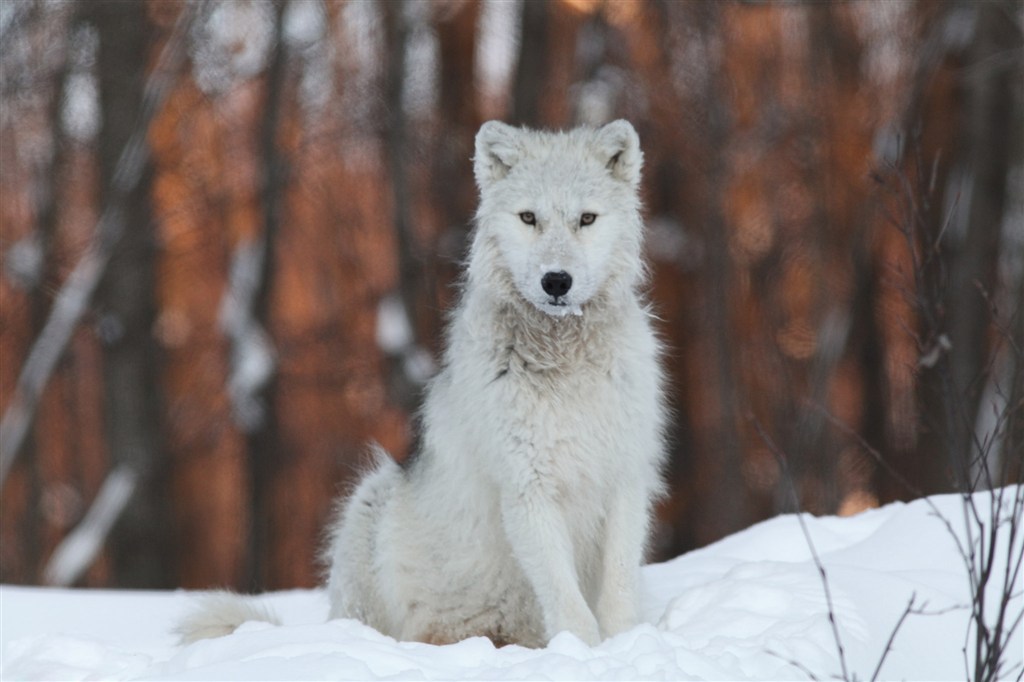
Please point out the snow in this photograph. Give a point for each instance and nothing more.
(749, 607)
(394, 333)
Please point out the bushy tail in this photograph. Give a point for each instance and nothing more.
(220, 613)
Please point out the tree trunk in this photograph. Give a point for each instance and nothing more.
(532, 65)
(262, 441)
(459, 118)
(126, 305)
(395, 139)
(721, 508)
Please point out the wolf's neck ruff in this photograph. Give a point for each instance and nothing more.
(543, 343)
(522, 336)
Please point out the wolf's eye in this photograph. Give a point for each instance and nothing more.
(588, 219)
(528, 218)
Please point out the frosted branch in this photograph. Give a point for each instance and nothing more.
(77, 552)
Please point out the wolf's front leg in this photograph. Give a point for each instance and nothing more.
(541, 543)
(618, 602)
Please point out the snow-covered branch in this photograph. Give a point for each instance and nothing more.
(252, 354)
(80, 548)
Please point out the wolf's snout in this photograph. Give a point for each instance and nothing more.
(556, 283)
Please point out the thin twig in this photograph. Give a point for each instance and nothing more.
(908, 610)
(810, 544)
(892, 635)
(796, 664)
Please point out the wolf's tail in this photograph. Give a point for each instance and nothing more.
(220, 613)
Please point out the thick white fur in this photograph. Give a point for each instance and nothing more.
(526, 511)
(218, 614)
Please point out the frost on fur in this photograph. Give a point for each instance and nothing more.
(221, 613)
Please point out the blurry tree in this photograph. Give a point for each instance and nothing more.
(248, 306)
(961, 161)
(834, 202)
(126, 301)
(458, 118)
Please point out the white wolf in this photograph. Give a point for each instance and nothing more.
(526, 510)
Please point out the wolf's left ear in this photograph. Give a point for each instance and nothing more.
(618, 143)
(497, 150)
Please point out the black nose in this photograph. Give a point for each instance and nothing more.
(556, 283)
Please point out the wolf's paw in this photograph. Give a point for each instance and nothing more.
(581, 623)
(589, 633)
(592, 635)
(616, 618)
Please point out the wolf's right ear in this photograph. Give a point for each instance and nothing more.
(619, 146)
(497, 150)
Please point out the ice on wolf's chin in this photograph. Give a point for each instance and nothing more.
(560, 310)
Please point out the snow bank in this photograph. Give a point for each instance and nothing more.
(748, 607)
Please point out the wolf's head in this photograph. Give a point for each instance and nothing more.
(559, 212)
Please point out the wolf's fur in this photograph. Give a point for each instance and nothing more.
(526, 510)
(218, 614)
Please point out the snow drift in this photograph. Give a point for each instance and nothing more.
(749, 607)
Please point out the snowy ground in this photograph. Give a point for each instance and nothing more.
(743, 608)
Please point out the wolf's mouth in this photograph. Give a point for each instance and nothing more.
(558, 306)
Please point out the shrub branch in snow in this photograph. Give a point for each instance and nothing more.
(991, 541)
(989, 635)
(994, 452)
(784, 468)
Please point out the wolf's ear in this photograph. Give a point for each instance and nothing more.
(618, 144)
(497, 150)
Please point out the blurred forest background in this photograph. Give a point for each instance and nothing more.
(229, 232)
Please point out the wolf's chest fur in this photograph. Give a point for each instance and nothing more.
(555, 404)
